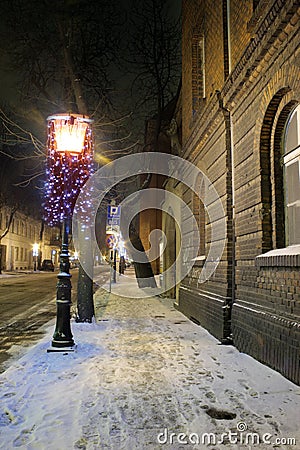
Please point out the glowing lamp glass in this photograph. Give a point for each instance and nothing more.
(69, 132)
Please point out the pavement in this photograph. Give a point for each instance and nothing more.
(144, 377)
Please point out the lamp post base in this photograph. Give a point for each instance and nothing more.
(62, 349)
(62, 337)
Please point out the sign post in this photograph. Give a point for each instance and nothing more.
(113, 219)
(112, 238)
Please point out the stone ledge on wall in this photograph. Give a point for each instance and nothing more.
(280, 257)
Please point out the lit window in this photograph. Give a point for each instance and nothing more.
(291, 160)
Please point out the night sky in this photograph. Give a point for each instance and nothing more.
(9, 89)
(28, 106)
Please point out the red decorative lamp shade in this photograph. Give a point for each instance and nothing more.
(69, 132)
(69, 163)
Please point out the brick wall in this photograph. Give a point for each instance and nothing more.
(246, 112)
(269, 338)
(265, 314)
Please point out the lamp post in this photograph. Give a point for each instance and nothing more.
(115, 265)
(69, 163)
(35, 253)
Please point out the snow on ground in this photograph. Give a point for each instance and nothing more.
(144, 377)
(11, 274)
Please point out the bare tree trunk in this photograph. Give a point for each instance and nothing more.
(143, 271)
(85, 304)
(0, 257)
(10, 219)
(75, 84)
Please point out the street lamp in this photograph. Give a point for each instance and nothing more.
(70, 151)
(35, 253)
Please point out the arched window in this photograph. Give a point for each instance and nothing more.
(291, 164)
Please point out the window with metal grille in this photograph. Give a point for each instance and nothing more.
(198, 71)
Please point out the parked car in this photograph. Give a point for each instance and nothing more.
(47, 264)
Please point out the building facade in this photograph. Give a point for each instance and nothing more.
(27, 242)
(241, 127)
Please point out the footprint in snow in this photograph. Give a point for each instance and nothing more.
(23, 438)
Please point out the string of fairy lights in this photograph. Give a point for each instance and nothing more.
(66, 172)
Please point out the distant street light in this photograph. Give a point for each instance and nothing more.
(70, 151)
(35, 254)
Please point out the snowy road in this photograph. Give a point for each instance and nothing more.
(18, 293)
(27, 303)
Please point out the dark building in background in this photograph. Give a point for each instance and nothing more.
(151, 219)
(241, 126)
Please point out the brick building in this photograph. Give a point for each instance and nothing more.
(241, 126)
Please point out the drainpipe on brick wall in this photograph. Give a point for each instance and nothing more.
(231, 210)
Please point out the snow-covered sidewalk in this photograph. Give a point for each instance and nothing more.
(144, 377)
